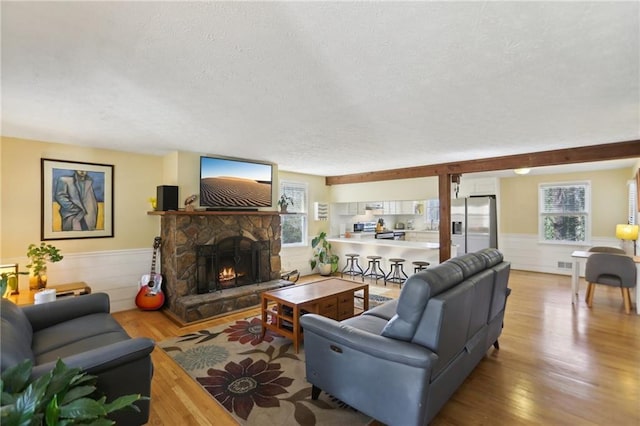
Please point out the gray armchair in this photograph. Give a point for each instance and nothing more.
(606, 249)
(81, 332)
(611, 269)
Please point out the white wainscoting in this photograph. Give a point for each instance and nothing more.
(296, 258)
(116, 273)
(527, 254)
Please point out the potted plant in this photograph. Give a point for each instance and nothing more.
(63, 396)
(9, 283)
(284, 202)
(39, 256)
(323, 257)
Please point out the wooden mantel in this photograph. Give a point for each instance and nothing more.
(213, 213)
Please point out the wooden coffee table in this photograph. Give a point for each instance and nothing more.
(333, 298)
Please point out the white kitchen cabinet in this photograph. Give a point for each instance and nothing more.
(349, 209)
(340, 208)
(394, 207)
(477, 186)
(406, 207)
(409, 236)
(389, 207)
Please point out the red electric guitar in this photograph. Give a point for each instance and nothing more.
(150, 296)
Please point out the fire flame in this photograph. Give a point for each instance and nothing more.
(227, 274)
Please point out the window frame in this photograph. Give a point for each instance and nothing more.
(587, 212)
(296, 211)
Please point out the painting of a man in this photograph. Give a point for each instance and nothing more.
(77, 199)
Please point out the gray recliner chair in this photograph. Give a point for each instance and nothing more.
(83, 334)
(611, 269)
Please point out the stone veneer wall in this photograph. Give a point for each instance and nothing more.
(182, 231)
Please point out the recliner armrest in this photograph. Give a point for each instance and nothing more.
(104, 358)
(47, 314)
(373, 344)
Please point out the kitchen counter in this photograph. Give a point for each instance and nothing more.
(388, 243)
(409, 250)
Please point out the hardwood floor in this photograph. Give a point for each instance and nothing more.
(557, 364)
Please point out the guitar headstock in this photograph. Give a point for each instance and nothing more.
(156, 243)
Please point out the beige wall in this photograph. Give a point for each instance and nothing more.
(404, 189)
(135, 179)
(519, 200)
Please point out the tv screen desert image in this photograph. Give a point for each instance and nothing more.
(229, 183)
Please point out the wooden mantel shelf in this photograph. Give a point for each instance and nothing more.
(213, 213)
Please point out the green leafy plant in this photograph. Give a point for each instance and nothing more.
(322, 254)
(61, 397)
(40, 255)
(284, 201)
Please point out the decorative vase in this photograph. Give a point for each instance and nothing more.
(283, 208)
(38, 281)
(324, 268)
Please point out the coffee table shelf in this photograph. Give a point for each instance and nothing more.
(333, 298)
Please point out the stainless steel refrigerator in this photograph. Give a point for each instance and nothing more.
(474, 224)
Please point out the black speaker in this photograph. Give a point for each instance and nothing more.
(167, 198)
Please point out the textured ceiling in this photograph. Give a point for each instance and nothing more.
(323, 88)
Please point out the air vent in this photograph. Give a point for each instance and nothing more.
(565, 265)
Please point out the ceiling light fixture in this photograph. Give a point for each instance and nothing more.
(522, 171)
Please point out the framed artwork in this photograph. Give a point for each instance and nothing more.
(77, 200)
(638, 193)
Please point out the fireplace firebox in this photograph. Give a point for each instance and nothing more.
(233, 262)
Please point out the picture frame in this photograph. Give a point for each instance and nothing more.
(638, 193)
(76, 200)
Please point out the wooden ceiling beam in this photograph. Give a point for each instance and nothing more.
(603, 152)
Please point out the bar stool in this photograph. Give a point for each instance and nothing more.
(420, 266)
(352, 264)
(374, 270)
(394, 274)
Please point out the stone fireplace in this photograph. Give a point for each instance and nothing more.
(216, 262)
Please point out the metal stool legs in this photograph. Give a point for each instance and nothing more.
(352, 267)
(374, 270)
(396, 274)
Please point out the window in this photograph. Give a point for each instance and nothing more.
(294, 223)
(564, 212)
(432, 214)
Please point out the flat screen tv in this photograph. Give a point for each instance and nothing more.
(227, 183)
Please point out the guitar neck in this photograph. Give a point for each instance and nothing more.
(156, 246)
(153, 262)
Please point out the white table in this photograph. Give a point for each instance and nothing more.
(581, 256)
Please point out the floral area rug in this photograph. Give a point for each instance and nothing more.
(258, 382)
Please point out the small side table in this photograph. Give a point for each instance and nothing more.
(62, 290)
